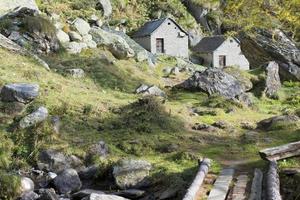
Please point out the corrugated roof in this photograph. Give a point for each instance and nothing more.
(151, 26)
(209, 44)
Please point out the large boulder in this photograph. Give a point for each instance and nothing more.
(95, 196)
(34, 118)
(276, 46)
(62, 36)
(105, 5)
(273, 83)
(115, 43)
(131, 173)
(19, 92)
(67, 181)
(9, 5)
(213, 81)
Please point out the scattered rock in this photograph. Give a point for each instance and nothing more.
(48, 194)
(273, 83)
(131, 193)
(55, 121)
(213, 81)
(67, 181)
(248, 125)
(103, 197)
(20, 92)
(245, 99)
(12, 108)
(62, 36)
(76, 73)
(270, 123)
(221, 125)
(100, 149)
(8, 5)
(84, 193)
(27, 185)
(74, 36)
(89, 173)
(131, 173)
(204, 127)
(52, 160)
(105, 5)
(82, 26)
(30, 196)
(34, 118)
(116, 44)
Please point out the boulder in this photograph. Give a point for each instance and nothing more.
(204, 127)
(29, 196)
(9, 5)
(74, 36)
(222, 125)
(67, 181)
(273, 83)
(48, 194)
(82, 26)
(131, 173)
(88, 40)
(141, 88)
(89, 173)
(270, 123)
(115, 43)
(175, 71)
(27, 185)
(62, 36)
(75, 47)
(131, 193)
(276, 46)
(105, 5)
(84, 193)
(76, 73)
(213, 81)
(100, 149)
(19, 92)
(94, 196)
(34, 118)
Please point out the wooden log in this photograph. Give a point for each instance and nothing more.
(281, 152)
(195, 186)
(239, 189)
(273, 183)
(222, 185)
(256, 187)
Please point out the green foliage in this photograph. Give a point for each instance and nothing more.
(38, 24)
(217, 101)
(9, 186)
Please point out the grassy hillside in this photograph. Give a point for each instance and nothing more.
(102, 106)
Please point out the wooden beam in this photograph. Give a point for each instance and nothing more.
(256, 187)
(281, 152)
(239, 189)
(273, 183)
(195, 186)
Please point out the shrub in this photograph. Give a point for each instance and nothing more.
(9, 186)
(217, 101)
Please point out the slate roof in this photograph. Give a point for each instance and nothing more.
(209, 44)
(148, 28)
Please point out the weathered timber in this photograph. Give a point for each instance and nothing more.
(239, 189)
(281, 152)
(195, 186)
(222, 185)
(12, 46)
(273, 183)
(256, 187)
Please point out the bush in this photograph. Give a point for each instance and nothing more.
(217, 101)
(9, 186)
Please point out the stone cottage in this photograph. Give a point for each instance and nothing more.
(219, 51)
(163, 36)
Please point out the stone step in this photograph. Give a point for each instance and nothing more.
(222, 185)
(240, 187)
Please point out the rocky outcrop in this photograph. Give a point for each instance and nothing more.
(34, 118)
(9, 5)
(30, 30)
(131, 173)
(276, 46)
(273, 83)
(19, 92)
(67, 181)
(275, 122)
(115, 43)
(150, 90)
(214, 81)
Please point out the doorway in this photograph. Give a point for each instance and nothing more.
(160, 45)
(222, 61)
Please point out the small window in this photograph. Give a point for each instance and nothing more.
(169, 23)
(231, 41)
(175, 27)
